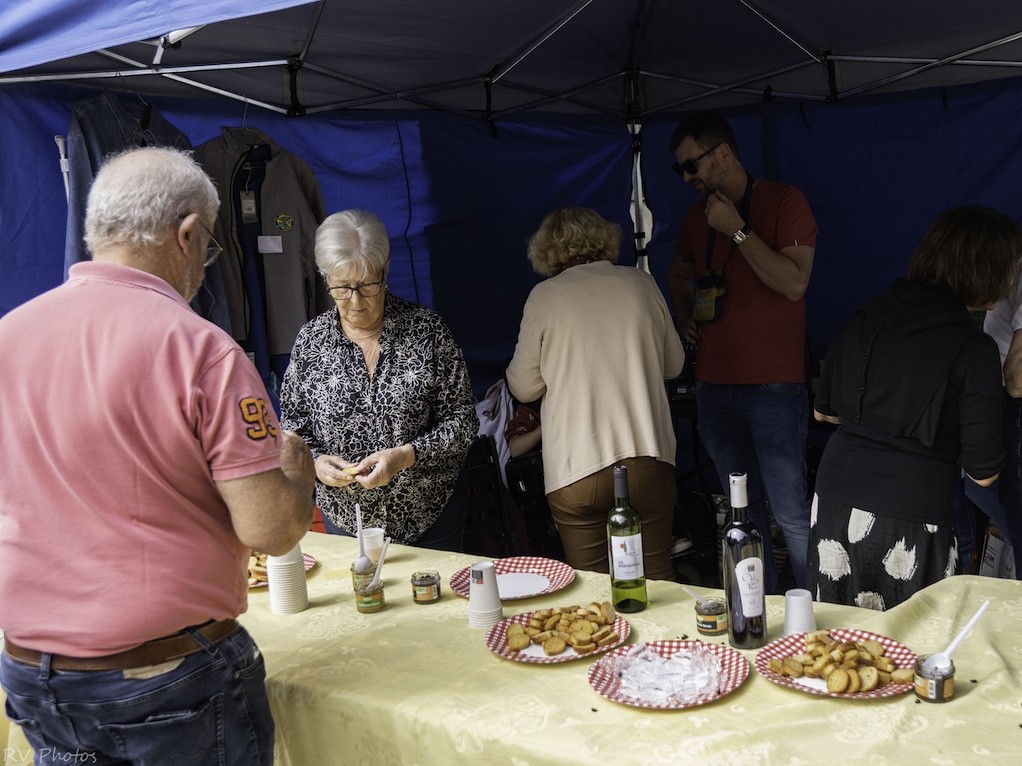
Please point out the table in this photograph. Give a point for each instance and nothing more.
(414, 684)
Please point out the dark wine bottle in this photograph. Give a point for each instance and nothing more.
(743, 573)
(624, 550)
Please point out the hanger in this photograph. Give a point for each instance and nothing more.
(147, 112)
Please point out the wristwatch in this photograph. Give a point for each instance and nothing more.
(741, 235)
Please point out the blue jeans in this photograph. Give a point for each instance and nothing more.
(761, 430)
(1002, 501)
(970, 540)
(209, 710)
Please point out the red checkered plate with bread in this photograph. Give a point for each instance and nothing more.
(792, 646)
(497, 642)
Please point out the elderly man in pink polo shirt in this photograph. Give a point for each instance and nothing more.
(139, 464)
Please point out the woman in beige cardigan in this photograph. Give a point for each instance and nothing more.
(596, 343)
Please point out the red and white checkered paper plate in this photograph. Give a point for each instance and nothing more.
(307, 559)
(902, 656)
(496, 642)
(733, 666)
(520, 577)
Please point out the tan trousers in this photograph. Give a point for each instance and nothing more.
(580, 512)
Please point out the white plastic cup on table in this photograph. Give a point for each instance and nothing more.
(286, 580)
(798, 611)
(372, 537)
(295, 554)
(484, 605)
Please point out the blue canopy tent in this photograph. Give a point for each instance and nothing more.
(463, 122)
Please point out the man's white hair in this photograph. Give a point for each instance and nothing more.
(141, 195)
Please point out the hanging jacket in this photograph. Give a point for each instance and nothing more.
(103, 125)
(290, 211)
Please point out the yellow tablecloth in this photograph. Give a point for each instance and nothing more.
(414, 684)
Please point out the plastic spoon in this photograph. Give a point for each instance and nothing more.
(942, 661)
(363, 563)
(699, 599)
(379, 564)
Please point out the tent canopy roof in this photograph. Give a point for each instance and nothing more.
(493, 58)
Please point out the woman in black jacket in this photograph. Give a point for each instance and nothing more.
(915, 386)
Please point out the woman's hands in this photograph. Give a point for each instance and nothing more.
(330, 471)
(372, 471)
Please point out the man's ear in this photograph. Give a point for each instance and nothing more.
(187, 231)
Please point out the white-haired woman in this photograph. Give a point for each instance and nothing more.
(379, 390)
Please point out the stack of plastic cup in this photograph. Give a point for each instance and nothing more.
(373, 539)
(798, 611)
(484, 606)
(286, 575)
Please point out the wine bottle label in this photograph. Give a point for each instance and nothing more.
(626, 552)
(749, 576)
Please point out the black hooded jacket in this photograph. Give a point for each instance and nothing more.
(917, 385)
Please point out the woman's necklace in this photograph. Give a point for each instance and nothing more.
(371, 357)
(369, 344)
(370, 347)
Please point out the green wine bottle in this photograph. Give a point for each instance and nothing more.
(624, 550)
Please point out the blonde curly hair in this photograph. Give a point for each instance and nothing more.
(570, 232)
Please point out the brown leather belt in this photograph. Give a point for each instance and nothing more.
(150, 653)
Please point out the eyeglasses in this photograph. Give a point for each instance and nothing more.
(366, 290)
(691, 166)
(213, 249)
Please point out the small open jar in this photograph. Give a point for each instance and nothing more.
(711, 616)
(934, 684)
(369, 598)
(426, 586)
(357, 578)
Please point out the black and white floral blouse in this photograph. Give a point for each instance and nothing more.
(420, 394)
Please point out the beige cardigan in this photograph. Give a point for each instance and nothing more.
(596, 343)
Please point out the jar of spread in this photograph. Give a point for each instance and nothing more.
(934, 684)
(357, 578)
(711, 616)
(369, 598)
(426, 586)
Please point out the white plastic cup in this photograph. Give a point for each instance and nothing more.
(475, 621)
(288, 589)
(372, 537)
(798, 611)
(295, 554)
(484, 605)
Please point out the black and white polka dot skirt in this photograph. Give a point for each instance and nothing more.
(868, 560)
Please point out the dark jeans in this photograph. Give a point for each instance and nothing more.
(1002, 501)
(761, 430)
(210, 709)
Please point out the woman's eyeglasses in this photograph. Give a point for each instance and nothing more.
(366, 290)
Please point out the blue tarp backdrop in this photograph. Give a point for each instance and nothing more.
(460, 199)
(464, 122)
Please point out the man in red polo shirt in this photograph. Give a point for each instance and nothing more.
(139, 465)
(757, 238)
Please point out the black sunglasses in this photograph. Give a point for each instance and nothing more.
(691, 166)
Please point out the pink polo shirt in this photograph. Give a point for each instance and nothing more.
(120, 409)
